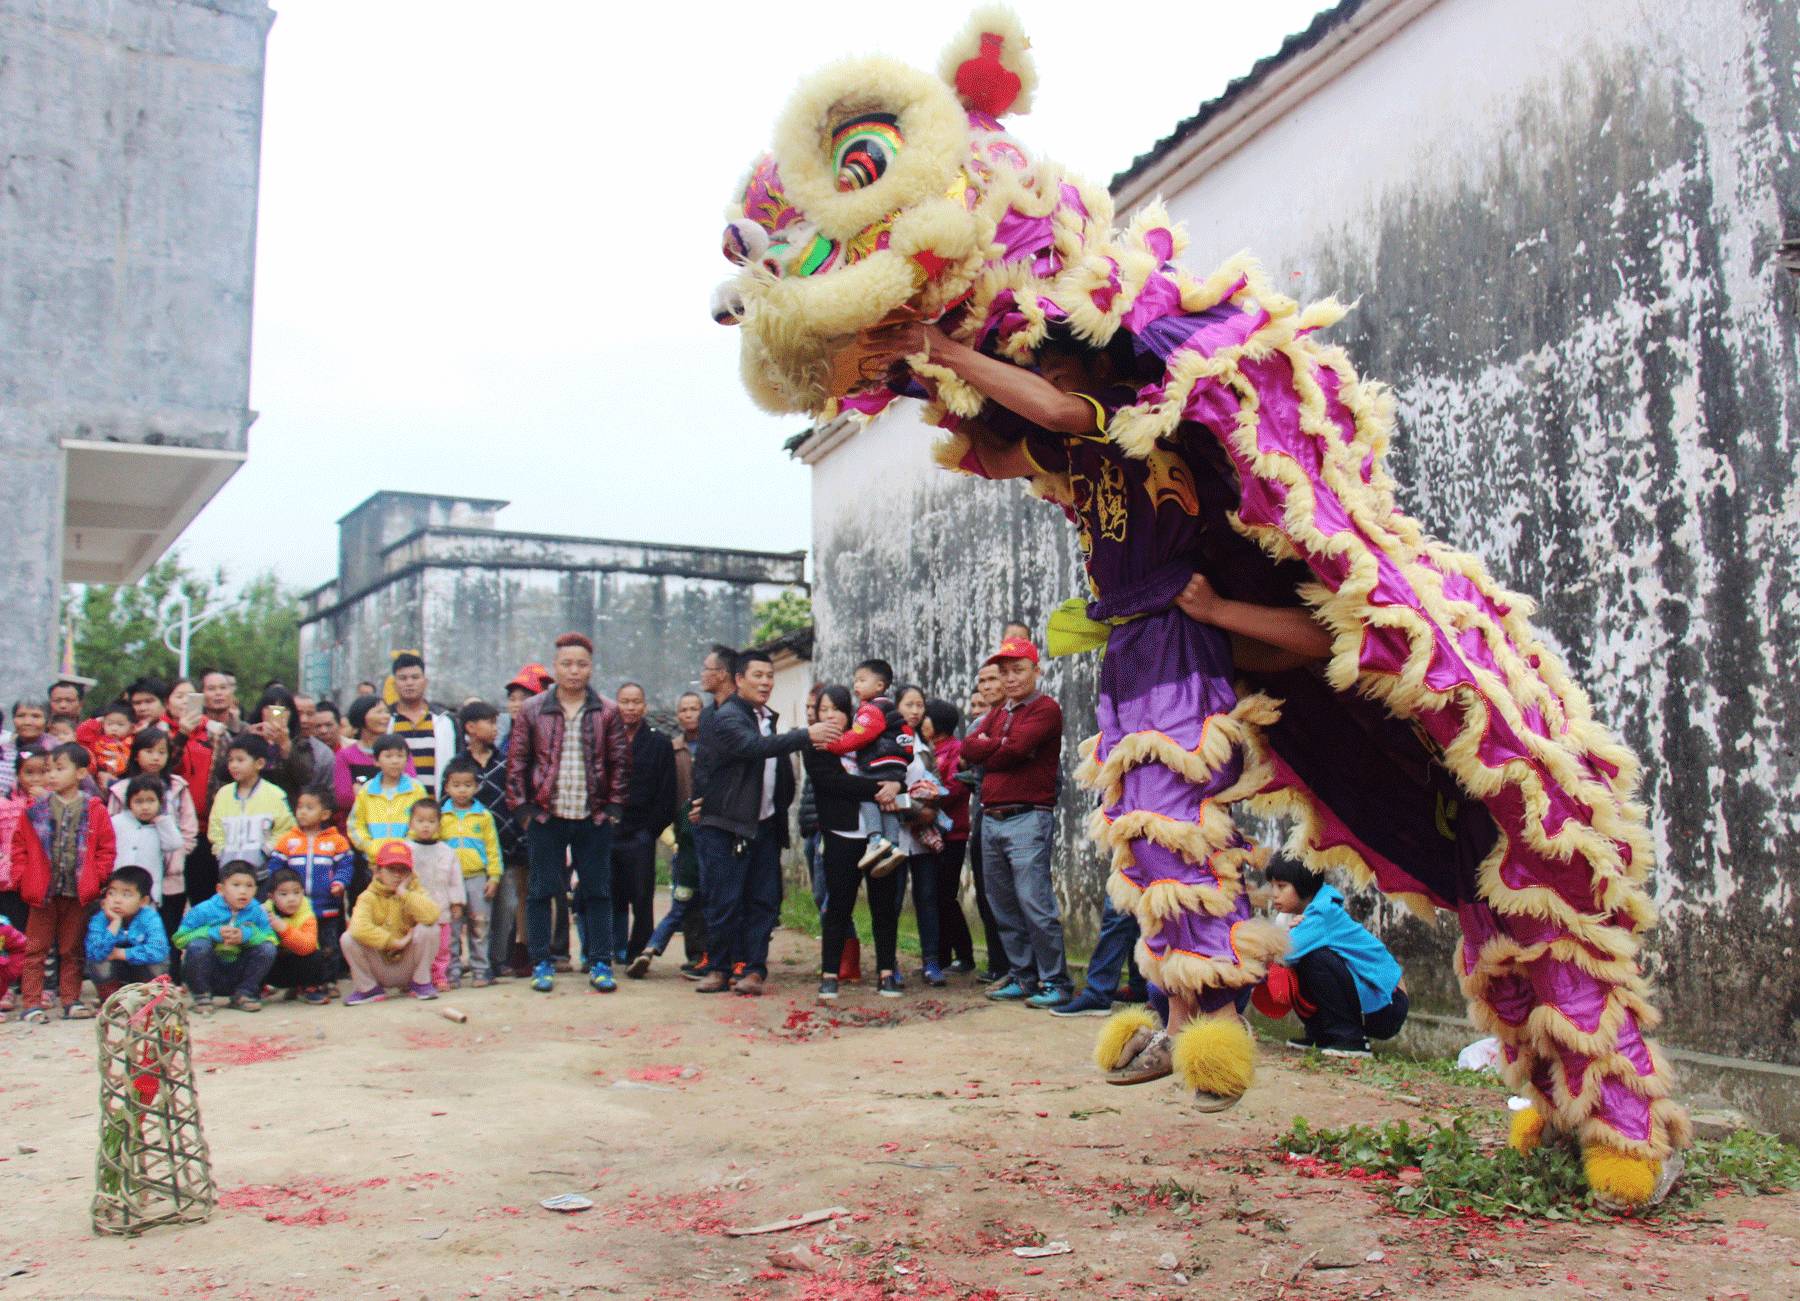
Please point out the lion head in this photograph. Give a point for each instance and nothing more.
(881, 197)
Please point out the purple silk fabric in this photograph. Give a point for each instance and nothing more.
(1166, 674)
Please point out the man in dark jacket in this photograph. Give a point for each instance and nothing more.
(649, 809)
(745, 788)
(567, 771)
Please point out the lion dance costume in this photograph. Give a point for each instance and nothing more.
(1443, 754)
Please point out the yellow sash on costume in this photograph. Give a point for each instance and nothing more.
(1071, 632)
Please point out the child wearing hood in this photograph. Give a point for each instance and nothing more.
(299, 963)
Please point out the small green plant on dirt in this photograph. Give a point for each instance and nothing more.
(1444, 1171)
(1169, 1195)
(1402, 1071)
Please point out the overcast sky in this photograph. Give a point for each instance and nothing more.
(488, 234)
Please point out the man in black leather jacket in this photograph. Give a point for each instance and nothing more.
(745, 784)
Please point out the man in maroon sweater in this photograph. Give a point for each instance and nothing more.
(1019, 748)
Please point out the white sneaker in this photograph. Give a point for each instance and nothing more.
(879, 847)
(895, 858)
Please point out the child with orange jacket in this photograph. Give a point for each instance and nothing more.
(299, 965)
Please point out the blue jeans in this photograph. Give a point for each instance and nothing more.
(741, 882)
(1118, 935)
(1015, 856)
(111, 972)
(551, 845)
(206, 973)
(686, 909)
(922, 868)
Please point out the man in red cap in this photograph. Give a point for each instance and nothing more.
(1019, 747)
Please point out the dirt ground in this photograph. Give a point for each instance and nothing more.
(384, 1151)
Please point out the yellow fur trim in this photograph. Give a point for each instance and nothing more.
(936, 141)
(1220, 736)
(956, 394)
(1015, 51)
(1255, 943)
(950, 451)
(1215, 1054)
(1527, 1129)
(1109, 1047)
(1621, 1176)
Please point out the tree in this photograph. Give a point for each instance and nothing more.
(118, 629)
(789, 612)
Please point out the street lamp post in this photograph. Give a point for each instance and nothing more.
(178, 633)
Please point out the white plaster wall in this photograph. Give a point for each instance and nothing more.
(1600, 397)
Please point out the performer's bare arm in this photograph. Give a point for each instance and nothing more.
(1021, 391)
(1289, 629)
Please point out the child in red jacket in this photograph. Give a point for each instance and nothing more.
(62, 854)
(883, 744)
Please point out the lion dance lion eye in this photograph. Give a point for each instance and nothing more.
(863, 147)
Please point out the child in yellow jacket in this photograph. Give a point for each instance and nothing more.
(386, 799)
(393, 933)
(468, 827)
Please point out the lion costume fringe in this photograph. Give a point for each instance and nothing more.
(1443, 756)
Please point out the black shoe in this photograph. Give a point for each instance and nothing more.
(889, 987)
(960, 967)
(828, 988)
(1135, 994)
(987, 976)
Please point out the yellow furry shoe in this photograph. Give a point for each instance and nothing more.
(1127, 1047)
(1527, 1129)
(1216, 1058)
(1623, 1182)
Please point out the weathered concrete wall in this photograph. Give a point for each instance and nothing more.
(1561, 221)
(128, 173)
(481, 603)
(129, 143)
(925, 572)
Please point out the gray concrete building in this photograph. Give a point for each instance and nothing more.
(129, 142)
(436, 574)
(1573, 231)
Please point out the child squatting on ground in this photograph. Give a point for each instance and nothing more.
(1337, 978)
(393, 934)
(299, 966)
(126, 942)
(227, 944)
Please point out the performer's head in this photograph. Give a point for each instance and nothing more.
(1292, 885)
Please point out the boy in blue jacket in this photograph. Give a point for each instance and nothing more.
(126, 943)
(227, 943)
(1348, 976)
